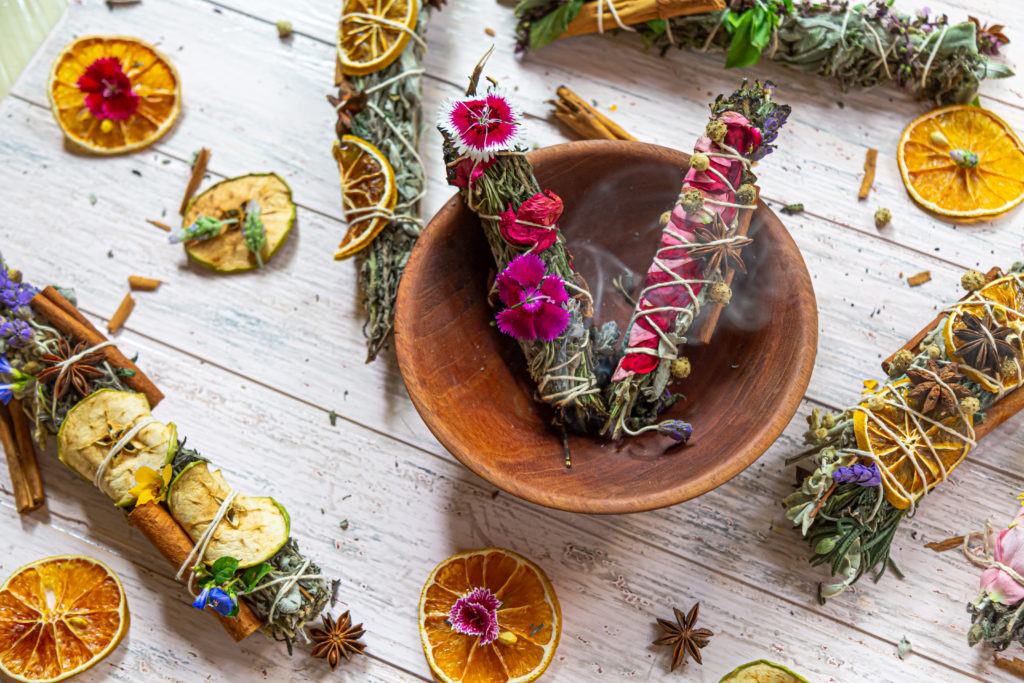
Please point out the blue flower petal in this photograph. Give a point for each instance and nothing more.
(221, 601)
(203, 598)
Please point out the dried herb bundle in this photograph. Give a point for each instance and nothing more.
(859, 45)
(849, 507)
(384, 108)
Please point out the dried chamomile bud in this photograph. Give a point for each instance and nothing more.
(681, 368)
(700, 162)
(973, 280)
(933, 352)
(970, 405)
(829, 421)
(720, 293)
(820, 433)
(716, 130)
(875, 403)
(284, 29)
(746, 194)
(692, 201)
(882, 217)
(900, 362)
(665, 218)
(1008, 368)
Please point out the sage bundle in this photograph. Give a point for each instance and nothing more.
(858, 45)
(874, 462)
(384, 108)
(234, 551)
(701, 247)
(548, 305)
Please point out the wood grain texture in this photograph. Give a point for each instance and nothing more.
(474, 392)
(252, 364)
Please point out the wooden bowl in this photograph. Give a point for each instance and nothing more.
(470, 385)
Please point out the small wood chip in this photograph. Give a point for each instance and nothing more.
(919, 279)
(1014, 666)
(489, 31)
(145, 284)
(162, 226)
(948, 544)
(869, 173)
(198, 171)
(121, 314)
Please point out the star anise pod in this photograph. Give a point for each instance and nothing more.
(989, 38)
(75, 374)
(930, 391)
(348, 102)
(683, 637)
(717, 245)
(337, 638)
(983, 343)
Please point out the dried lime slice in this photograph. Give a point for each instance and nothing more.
(762, 671)
(252, 531)
(97, 423)
(228, 201)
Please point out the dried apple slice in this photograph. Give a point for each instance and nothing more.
(253, 529)
(96, 423)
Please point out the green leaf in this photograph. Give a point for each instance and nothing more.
(741, 51)
(223, 569)
(730, 19)
(546, 30)
(976, 102)
(760, 29)
(657, 26)
(252, 576)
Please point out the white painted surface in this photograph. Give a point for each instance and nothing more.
(252, 364)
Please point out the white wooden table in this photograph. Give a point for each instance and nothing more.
(253, 364)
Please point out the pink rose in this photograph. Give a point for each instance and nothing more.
(741, 136)
(535, 224)
(467, 172)
(1007, 549)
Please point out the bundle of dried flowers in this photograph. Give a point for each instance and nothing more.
(860, 45)
(950, 386)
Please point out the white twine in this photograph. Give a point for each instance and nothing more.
(935, 50)
(288, 583)
(884, 59)
(615, 15)
(125, 439)
(389, 81)
(987, 560)
(199, 549)
(381, 20)
(68, 362)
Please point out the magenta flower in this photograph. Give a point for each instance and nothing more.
(476, 614)
(535, 300)
(534, 224)
(1008, 550)
(108, 91)
(480, 127)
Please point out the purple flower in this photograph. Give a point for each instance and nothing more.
(17, 333)
(476, 614)
(534, 298)
(676, 429)
(217, 598)
(865, 475)
(6, 393)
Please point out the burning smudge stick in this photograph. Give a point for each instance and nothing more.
(549, 304)
(700, 246)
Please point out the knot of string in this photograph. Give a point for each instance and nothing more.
(125, 439)
(986, 559)
(199, 549)
(67, 363)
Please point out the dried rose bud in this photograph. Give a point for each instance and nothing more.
(681, 368)
(900, 362)
(720, 293)
(700, 162)
(882, 217)
(716, 130)
(970, 405)
(746, 194)
(973, 280)
(692, 201)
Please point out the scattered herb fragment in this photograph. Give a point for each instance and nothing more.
(333, 417)
(284, 29)
(684, 638)
(903, 648)
(92, 199)
(919, 279)
(121, 314)
(793, 209)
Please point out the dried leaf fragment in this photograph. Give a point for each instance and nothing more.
(1014, 665)
(948, 544)
(919, 279)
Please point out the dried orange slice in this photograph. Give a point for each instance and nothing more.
(58, 617)
(962, 161)
(373, 33)
(1004, 299)
(368, 192)
(895, 426)
(529, 620)
(113, 94)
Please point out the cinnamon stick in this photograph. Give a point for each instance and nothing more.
(870, 162)
(143, 284)
(636, 12)
(70, 321)
(21, 461)
(704, 326)
(171, 541)
(162, 226)
(585, 120)
(124, 309)
(198, 171)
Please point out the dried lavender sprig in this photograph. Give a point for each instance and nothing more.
(860, 45)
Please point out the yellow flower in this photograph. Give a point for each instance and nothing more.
(152, 485)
